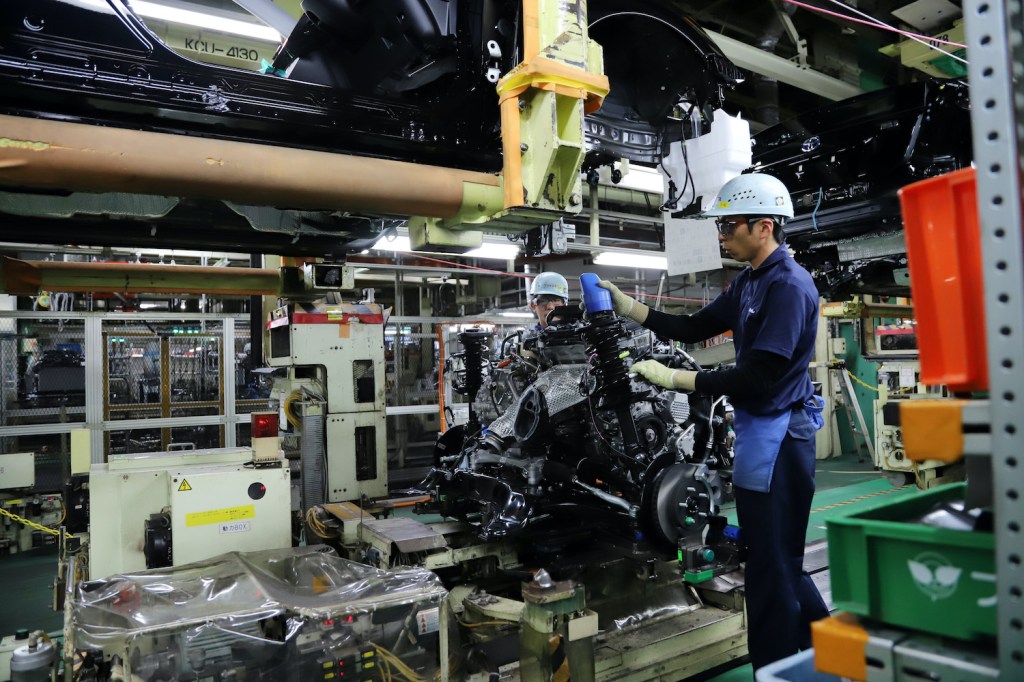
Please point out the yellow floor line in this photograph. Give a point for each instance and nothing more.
(858, 499)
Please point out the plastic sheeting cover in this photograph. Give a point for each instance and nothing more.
(236, 588)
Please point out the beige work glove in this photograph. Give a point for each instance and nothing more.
(660, 375)
(624, 305)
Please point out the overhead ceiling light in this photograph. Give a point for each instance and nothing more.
(176, 15)
(396, 244)
(446, 280)
(631, 260)
(496, 251)
(513, 313)
(187, 17)
(401, 244)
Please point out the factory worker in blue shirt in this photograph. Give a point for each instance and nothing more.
(772, 309)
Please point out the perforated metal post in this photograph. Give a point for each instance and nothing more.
(94, 386)
(996, 54)
(229, 383)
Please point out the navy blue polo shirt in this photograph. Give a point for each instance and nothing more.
(773, 308)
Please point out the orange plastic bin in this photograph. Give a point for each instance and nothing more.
(940, 219)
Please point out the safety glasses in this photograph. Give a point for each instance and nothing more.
(727, 226)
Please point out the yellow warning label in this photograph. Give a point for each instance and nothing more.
(205, 518)
(184, 486)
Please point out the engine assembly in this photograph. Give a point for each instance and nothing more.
(564, 449)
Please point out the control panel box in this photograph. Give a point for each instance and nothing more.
(17, 470)
(162, 509)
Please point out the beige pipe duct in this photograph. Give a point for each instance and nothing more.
(28, 278)
(79, 157)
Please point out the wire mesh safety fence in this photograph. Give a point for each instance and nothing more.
(42, 369)
(160, 384)
(252, 389)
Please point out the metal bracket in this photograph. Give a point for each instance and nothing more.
(787, 24)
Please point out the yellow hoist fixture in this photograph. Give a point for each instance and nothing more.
(543, 101)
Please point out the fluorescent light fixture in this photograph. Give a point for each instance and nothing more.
(512, 313)
(396, 244)
(631, 260)
(496, 251)
(187, 17)
(446, 280)
(401, 244)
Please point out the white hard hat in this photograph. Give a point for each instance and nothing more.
(551, 284)
(753, 194)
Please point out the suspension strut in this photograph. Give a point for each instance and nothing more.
(475, 343)
(602, 336)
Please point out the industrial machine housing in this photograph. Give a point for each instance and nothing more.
(153, 510)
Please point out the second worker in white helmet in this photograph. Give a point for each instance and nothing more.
(548, 291)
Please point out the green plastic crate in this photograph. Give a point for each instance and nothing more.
(910, 575)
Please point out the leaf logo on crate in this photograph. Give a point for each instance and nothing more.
(934, 575)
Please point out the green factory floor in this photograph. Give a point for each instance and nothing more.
(27, 578)
(844, 485)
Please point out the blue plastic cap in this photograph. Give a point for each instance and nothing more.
(596, 299)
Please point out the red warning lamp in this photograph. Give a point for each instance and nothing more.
(264, 424)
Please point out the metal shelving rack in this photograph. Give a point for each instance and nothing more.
(995, 34)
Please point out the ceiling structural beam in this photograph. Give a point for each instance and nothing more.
(120, 252)
(87, 158)
(754, 59)
(356, 262)
(28, 278)
(794, 36)
(632, 218)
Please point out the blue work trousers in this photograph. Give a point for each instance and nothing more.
(782, 601)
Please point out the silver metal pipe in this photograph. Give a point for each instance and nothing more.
(610, 499)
